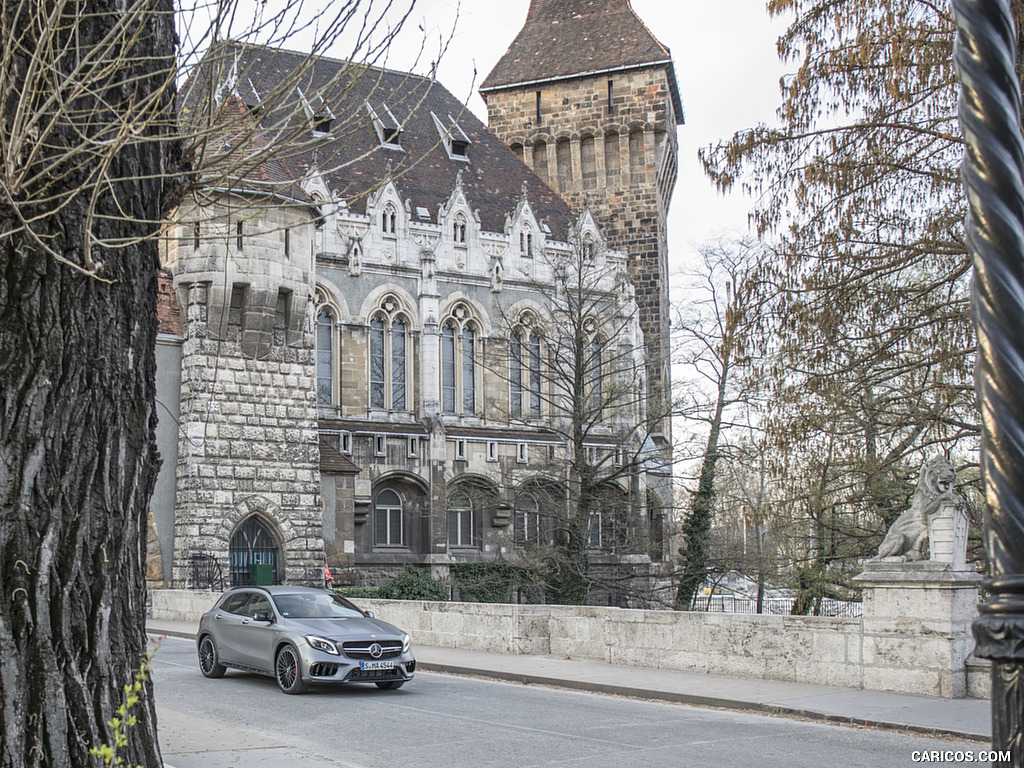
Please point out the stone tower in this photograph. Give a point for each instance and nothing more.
(248, 475)
(587, 98)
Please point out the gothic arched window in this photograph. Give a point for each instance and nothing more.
(526, 523)
(252, 543)
(389, 344)
(388, 523)
(458, 362)
(460, 520)
(525, 372)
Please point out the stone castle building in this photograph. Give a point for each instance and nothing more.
(364, 320)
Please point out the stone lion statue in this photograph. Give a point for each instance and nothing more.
(906, 537)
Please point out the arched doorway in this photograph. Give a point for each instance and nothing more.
(253, 544)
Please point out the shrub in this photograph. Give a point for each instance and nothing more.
(413, 584)
(370, 593)
(497, 582)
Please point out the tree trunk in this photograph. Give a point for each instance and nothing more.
(77, 405)
(697, 525)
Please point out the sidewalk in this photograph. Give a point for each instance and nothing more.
(961, 718)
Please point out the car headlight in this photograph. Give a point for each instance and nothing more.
(322, 644)
(406, 643)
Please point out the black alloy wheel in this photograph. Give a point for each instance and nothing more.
(286, 670)
(208, 662)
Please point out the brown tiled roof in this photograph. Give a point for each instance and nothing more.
(352, 159)
(250, 152)
(168, 317)
(562, 39)
(334, 462)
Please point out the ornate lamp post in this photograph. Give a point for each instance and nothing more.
(994, 180)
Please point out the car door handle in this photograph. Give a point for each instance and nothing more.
(245, 621)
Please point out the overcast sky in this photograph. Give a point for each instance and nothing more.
(726, 64)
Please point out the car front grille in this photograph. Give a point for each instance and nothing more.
(374, 674)
(391, 649)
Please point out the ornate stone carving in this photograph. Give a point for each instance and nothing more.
(934, 496)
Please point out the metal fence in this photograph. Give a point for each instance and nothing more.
(779, 606)
(205, 571)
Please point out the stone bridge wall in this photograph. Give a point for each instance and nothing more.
(805, 649)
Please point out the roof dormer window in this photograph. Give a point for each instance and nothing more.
(386, 125)
(456, 142)
(318, 113)
(252, 100)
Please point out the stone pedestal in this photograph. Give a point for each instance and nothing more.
(917, 626)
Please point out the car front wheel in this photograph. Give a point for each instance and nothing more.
(287, 671)
(209, 664)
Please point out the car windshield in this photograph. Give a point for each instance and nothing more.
(315, 606)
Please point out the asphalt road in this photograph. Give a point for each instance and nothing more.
(443, 721)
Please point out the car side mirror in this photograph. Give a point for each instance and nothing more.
(263, 616)
(369, 614)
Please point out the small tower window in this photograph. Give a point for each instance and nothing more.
(459, 231)
(195, 236)
(238, 235)
(526, 245)
(288, 243)
(236, 309)
(538, 107)
(387, 220)
(611, 97)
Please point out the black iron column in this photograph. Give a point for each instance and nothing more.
(990, 118)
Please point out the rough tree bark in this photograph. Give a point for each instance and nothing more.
(77, 375)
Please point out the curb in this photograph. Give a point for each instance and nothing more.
(704, 701)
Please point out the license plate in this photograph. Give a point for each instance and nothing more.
(370, 665)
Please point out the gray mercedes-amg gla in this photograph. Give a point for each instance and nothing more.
(301, 635)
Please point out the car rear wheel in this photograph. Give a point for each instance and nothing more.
(209, 664)
(288, 672)
(391, 685)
